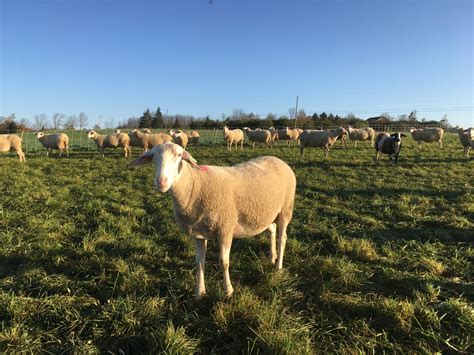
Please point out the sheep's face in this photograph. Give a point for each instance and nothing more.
(91, 134)
(39, 134)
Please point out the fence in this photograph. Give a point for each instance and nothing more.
(78, 138)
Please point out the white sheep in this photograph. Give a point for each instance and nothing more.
(179, 137)
(58, 141)
(362, 134)
(111, 141)
(428, 135)
(316, 138)
(12, 142)
(259, 136)
(233, 136)
(466, 138)
(222, 203)
(147, 140)
(193, 137)
(274, 134)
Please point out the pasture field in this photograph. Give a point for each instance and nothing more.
(379, 258)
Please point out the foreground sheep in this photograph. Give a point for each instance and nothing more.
(259, 136)
(466, 138)
(148, 140)
(180, 138)
(111, 141)
(428, 135)
(363, 134)
(222, 203)
(315, 138)
(12, 142)
(58, 141)
(389, 144)
(233, 136)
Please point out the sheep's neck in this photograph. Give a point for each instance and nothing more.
(184, 188)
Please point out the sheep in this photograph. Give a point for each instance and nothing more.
(233, 136)
(363, 134)
(274, 134)
(193, 137)
(466, 138)
(315, 138)
(12, 142)
(259, 136)
(213, 202)
(180, 138)
(58, 141)
(389, 144)
(111, 141)
(147, 140)
(428, 135)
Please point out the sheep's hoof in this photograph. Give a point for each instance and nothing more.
(229, 292)
(199, 296)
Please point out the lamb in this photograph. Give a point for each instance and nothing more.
(12, 142)
(58, 141)
(362, 134)
(315, 138)
(233, 136)
(180, 138)
(111, 141)
(222, 203)
(428, 135)
(389, 144)
(466, 138)
(259, 136)
(147, 140)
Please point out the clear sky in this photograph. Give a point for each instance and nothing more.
(207, 57)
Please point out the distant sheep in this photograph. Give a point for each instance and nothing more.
(12, 142)
(180, 138)
(193, 137)
(232, 136)
(58, 141)
(362, 134)
(466, 138)
(259, 136)
(428, 135)
(389, 144)
(111, 141)
(222, 203)
(316, 138)
(274, 134)
(147, 140)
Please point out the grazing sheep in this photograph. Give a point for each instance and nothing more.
(222, 203)
(111, 141)
(466, 138)
(180, 138)
(389, 144)
(233, 136)
(193, 137)
(12, 142)
(147, 140)
(58, 141)
(363, 134)
(315, 138)
(259, 136)
(428, 135)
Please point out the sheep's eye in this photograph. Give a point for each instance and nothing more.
(180, 155)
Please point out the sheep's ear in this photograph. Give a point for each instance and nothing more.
(143, 159)
(190, 159)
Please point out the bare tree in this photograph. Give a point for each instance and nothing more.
(109, 123)
(82, 120)
(40, 122)
(57, 120)
(292, 112)
(71, 122)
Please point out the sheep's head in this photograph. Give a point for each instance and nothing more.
(118, 131)
(167, 159)
(39, 134)
(91, 134)
(397, 137)
(412, 129)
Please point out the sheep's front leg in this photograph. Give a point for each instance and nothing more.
(200, 245)
(225, 244)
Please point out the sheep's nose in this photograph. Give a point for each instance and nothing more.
(162, 181)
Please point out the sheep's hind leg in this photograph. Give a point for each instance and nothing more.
(272, 228)
(200, 245)
(225, 244)
(283, 220)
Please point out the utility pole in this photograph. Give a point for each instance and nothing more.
(296, 111)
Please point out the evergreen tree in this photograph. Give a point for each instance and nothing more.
(176, 123)
(157, 121)
(145, 120)
(315, 117)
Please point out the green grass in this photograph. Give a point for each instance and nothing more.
(379, 259)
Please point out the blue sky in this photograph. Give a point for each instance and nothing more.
(116, 58)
